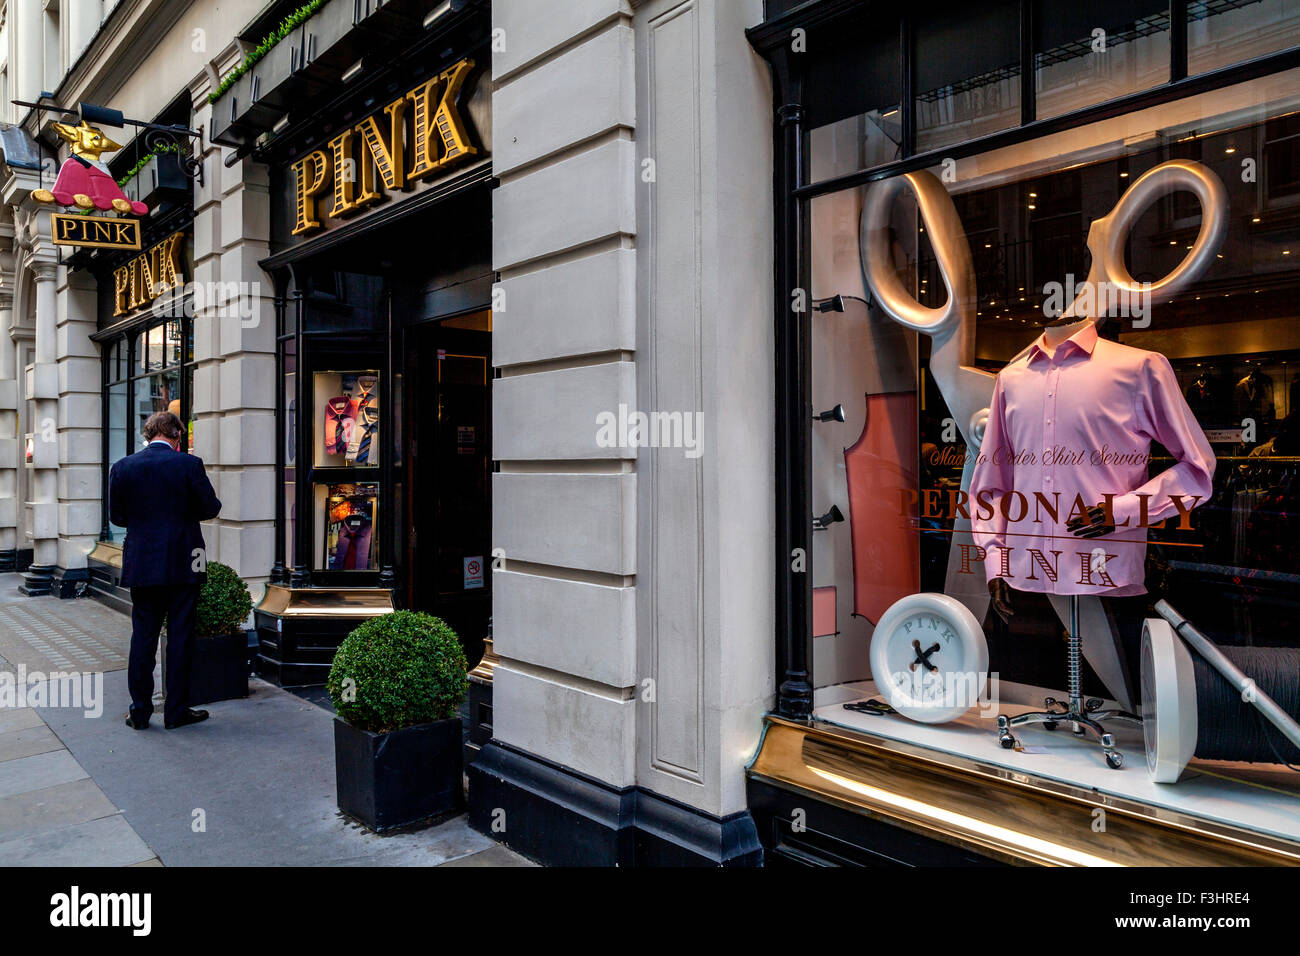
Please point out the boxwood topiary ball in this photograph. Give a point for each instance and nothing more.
(397, 670)
(224, 602)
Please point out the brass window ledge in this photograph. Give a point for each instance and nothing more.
(286, 602)
(106, 552)
(1006, 815)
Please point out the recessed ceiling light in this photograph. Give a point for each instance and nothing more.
(1230, 150)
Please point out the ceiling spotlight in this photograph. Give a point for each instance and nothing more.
(828, 519)
(835, 414)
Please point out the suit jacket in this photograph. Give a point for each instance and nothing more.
(160, 495)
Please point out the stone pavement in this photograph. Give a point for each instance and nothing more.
(252, 786)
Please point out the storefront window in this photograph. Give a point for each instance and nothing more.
(290, 431)
(117, 419)
(855, 92)
(145, 371)
(1090, 53)
(1223, 32)
(967, 74)
(1137, 444)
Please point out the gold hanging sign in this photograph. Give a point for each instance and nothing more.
(99, 232)
(380, 144)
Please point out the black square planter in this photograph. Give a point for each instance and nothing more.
(218, 668)
(390, 780)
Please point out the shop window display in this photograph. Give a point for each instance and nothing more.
(1068, 381)
(350, 541)
(345, 445)
(349, 409)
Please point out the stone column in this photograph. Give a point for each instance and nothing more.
(633, 613)
(234, 337)
(26, 50)
(83, 18)
(42, 388)
(81, 418)
(10, 441)
(705, 582)
(563, 505)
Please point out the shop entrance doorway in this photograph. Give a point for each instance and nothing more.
(448, 476)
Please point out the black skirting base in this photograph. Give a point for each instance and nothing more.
(69, 582)
(8, 560)
(479, 707)
(562, 818)
(298, 651)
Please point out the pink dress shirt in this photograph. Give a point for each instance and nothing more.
(1079, 423)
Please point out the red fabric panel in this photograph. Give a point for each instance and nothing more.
(824, 611)
(882, 479)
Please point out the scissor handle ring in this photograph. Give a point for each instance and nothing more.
(947, 238)
(1177, 174)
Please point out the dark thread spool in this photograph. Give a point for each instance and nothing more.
(1229, 728)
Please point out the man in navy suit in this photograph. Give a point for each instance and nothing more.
(160, 494)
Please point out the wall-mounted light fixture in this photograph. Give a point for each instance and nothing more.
(829, 518)
(835, 414)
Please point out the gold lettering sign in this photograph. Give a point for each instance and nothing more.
(148, 276)
(97, 232)
(435, 139)
(318, 163)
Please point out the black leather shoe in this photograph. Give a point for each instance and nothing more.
(188, 717)
(135, 724)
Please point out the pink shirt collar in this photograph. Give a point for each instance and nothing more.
(1085, 340)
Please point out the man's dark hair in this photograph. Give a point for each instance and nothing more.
(163, 425)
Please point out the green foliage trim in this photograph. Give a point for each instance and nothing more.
(398, 670)
(144, 160)
(224, 602)
(287, 26)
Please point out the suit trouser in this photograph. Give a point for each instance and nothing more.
(150, 606)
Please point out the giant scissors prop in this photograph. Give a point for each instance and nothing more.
(968, 391)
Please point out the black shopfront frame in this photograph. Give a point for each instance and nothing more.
(793, 193)
(348, 294)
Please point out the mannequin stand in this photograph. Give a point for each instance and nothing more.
(1083, 715)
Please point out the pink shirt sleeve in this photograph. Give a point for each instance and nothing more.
(1163, 416)
(992, 480)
